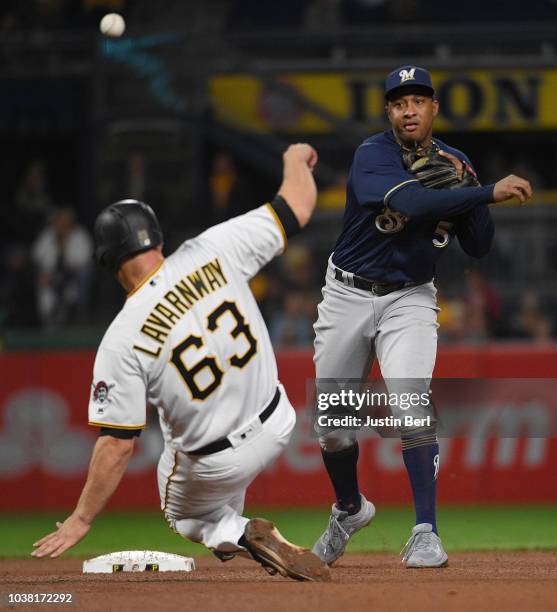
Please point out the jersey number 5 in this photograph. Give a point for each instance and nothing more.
(210, 363)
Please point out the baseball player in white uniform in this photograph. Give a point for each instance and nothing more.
(190, 341)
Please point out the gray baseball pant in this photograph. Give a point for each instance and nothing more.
(354, 326)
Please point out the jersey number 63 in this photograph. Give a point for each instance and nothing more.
(210, 364)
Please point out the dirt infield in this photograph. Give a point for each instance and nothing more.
(473, 581)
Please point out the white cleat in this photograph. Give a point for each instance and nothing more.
(424, 548)
(332, 543)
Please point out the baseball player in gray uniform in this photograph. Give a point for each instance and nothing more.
(190, 341)
(379, 299)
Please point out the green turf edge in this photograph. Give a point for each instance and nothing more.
(462, 528)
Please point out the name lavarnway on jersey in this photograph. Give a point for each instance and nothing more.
(187, 292)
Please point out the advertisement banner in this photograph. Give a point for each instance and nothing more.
(45, 443)
(309, 103)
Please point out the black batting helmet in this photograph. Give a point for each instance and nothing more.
(123, 229)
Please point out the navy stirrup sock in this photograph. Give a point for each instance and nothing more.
(342, 469)
(421, 458)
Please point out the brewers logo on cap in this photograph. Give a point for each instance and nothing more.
(408, 76)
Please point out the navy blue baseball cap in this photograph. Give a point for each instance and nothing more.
(408, 77)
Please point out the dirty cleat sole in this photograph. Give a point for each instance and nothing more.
(270, 548)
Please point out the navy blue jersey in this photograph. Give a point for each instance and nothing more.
(394, 229)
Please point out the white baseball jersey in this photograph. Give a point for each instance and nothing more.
(191, 341)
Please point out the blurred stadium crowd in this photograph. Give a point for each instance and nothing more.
(49, 280)
(59, 171)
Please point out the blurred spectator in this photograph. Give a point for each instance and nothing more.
(333, 197)
(483, 307)
(18, 303)
(286, 284)
(62, 255)
(292, 323)
(268, 291)
(231, 191)
(293, 326)
(33, 201)
(222, 180)
(530, 322)
(451, 318)
(298, 268)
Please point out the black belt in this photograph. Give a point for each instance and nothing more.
(223, 443)
(375, 287)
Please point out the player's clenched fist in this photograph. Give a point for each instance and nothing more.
(298, 185)
(301, 152)
(512, 187)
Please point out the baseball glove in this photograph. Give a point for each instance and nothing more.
(437, 172)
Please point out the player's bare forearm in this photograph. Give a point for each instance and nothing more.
(108, 463)
(298, 185)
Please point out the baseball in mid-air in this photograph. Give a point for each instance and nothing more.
(112, 25)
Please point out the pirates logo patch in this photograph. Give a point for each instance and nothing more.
(101, 392)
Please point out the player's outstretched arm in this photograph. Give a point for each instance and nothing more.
(298, 185)
(416, 200)
(108, 464)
